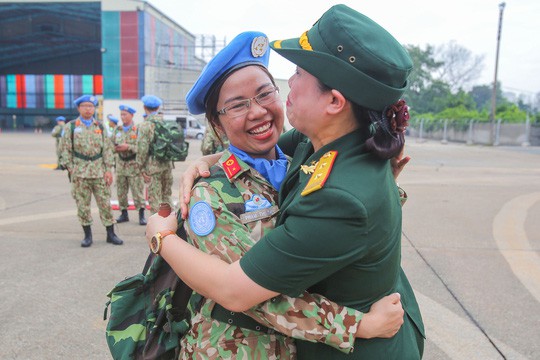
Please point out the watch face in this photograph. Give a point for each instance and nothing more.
(154, 244)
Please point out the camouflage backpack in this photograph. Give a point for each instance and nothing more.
(169, 143)
(149, 312)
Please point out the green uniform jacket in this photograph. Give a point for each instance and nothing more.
(89, 142)
(126, 165)
(342, 241)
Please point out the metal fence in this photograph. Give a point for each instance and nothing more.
(474, 132)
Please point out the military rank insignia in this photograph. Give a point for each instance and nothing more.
(231, 166)
(321, 173)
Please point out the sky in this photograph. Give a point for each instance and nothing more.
(471, 24)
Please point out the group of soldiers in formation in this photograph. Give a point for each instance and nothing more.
(90, 151)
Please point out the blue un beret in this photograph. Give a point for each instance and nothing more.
(60, 118)
(151, 101)
(247, 48)
(127, 108)
(112, 118)
(86, 98)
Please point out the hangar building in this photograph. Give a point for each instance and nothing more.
(51, 52)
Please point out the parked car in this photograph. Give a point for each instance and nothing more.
(192, 127)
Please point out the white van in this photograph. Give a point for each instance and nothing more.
(192, 127)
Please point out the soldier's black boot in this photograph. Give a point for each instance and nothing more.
(87, 241)
(123, 217)
(111, 236)
(142, 220)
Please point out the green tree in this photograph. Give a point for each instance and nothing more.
(459, 66)
(421, 78)
(481, 95)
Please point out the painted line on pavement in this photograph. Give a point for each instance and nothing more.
(511, 238)
(458, 337)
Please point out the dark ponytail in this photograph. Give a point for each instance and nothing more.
(390, 124)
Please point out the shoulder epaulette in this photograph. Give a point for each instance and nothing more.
(321, 173)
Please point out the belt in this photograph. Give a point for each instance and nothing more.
(128, 158)
(239, 319)
(87, 158)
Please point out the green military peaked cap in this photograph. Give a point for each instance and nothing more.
(351, 53)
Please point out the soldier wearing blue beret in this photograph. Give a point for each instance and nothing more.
(128, 173)
(156, 173)
(88, 156)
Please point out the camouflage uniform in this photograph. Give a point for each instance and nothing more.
(128, 174)
(57, 134)
(87, 159)
(212, 143)
(308, 317)
(160, 172)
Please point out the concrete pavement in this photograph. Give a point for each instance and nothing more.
(471, 250)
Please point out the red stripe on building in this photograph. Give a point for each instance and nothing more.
(129, 55)
(21, 91)
(98, 84)
(59, 100)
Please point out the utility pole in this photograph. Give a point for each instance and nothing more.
(494, 93)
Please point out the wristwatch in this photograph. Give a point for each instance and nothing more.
(155, 243)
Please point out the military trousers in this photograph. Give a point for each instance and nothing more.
(160, 189)
(135, 183)
(58, 152)
(82, 190)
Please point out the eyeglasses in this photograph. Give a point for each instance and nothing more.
(87, 106)
(241, 107)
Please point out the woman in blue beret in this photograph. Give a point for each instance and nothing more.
(338, 232)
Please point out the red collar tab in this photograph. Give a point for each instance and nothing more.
(231, 166)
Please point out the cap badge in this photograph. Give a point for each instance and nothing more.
(259, 46)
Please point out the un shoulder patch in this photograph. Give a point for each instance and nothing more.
(201, 218)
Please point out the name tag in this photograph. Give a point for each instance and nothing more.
(259, 214)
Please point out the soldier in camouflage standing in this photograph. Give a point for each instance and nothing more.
(213, 142)
(57, 133)
(128, 174)
(88, 156)
(156, 173)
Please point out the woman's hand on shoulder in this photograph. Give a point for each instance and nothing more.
(398, 164)
(199, 168)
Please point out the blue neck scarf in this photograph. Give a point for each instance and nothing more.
(272, 170)
(126, 128)
(87, 122)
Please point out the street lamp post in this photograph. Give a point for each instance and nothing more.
(494, 93)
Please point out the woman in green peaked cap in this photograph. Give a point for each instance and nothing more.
(339, 228)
